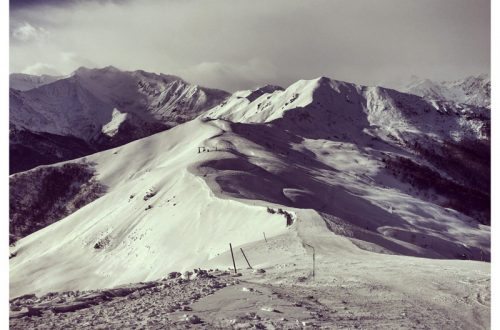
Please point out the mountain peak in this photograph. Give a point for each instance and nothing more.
(85, 70)
(472, 90)
(323, 79)
(323, 82)
(266, 89)
(80, 69)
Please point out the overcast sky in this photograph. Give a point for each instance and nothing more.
(235, 44)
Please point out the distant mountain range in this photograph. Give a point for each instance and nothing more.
(474, 90)
(59, 118)
(54, 119)
(24, 82)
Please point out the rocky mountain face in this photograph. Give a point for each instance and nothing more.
(98, 109)
(474, 90)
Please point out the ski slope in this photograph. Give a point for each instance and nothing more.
(171, 207)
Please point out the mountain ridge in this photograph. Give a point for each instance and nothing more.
(81, 105)
(24, 82)
(473, 90)
(381, 106)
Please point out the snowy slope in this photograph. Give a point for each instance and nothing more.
(178, 231)
(418, 140)
(170, 206)
(113, 126)
(24, 82)
(473, 90)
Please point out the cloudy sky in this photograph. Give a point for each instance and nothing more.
(240, 44)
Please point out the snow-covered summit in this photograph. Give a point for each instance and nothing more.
(328, 107)
(473, 90)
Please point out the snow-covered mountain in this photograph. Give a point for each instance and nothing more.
(473, 90)
(326, 107)
(357, 172)
(103, 108)
(450, 139)
(24, 82)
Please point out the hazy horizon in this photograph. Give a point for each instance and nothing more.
(240, 45)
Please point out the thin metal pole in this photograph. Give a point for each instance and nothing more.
(246, 258)
(314, 263)
(232, 256)
(314, 259)
(264, 236)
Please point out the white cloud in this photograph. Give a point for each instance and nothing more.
(40, 69)
(27, 32)
(63, 63)
(234, 44)
(246, 75)
(71, 60)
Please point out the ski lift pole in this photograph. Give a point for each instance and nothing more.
(232, 256)
(246, 258)
(314, 258)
